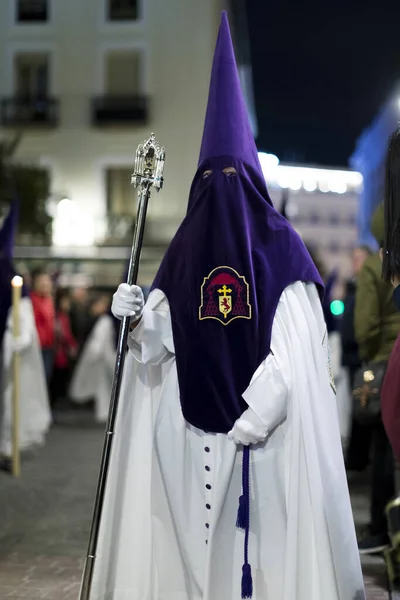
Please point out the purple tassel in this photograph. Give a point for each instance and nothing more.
(242, 520)
(247, 582)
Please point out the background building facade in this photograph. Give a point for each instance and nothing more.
(85, 83)
(322, 205)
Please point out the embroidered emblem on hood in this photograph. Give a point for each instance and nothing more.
(225, 296)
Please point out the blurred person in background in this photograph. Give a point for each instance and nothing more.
(340, 373)
(358, 451)
(80, 318)
(35, 417)
(377, 325)
(390, 252)
(65, 347)
(390, 255)
(93, 374)
(43, 309)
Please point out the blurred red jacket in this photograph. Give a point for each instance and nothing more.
(390, 400)
(43, 309)
(66, 344)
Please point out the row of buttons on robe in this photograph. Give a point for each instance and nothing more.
(208, 488)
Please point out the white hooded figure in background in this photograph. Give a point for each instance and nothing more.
(93, 374)
(226, 477)
(342, 385)
(35, 413)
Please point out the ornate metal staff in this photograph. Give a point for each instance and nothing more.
(149, 167)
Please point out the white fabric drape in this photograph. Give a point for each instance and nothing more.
(94, 371)
(35, 414)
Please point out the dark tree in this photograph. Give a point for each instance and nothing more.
(29, 184)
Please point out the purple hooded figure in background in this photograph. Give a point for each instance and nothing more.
(227, 436)
(7, 270)
(34, 410)
(7, 235)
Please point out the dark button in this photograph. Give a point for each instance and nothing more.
(208, 486)
(207, 525)
(208, 468)
(207, 449)
(206, 541)
(208, 506)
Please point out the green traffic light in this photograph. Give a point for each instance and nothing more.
(337, 308)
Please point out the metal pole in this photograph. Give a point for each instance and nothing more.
(149, 165)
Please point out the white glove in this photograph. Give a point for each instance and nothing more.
(248, 429)
(19, 344)
(128, 301)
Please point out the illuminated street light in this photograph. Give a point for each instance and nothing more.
(324, 187)
(310, 185)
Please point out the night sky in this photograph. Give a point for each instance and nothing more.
(321, 71)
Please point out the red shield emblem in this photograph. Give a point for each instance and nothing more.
(225, 296)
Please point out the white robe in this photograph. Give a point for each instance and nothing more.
(35, 414)
(93, 375)
(159, 541)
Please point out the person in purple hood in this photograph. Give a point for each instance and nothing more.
(227, 477)
(34, 410)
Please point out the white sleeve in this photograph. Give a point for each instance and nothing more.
(151, 341)
(268, 391)
(27, 329)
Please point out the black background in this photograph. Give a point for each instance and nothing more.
(321, 71)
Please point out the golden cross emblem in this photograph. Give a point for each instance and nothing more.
(225, 301)
(224, 290)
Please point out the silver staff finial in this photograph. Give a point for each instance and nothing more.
(149, 164)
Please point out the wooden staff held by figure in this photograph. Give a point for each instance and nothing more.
(16, 331)
(148, 173)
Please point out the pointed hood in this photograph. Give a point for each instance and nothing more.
(7, 271)
(8, 231)
(231, 242)
(227, 130)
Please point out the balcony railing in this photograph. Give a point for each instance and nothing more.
(119, 229)
(120, 110)
(32, 11)
(29, 112)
